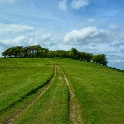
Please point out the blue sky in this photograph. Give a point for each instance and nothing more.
(95, 26)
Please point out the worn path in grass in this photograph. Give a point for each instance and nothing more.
(74, 108)
(17, 115)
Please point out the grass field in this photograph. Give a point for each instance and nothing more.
(98, 90)
(19, 76)
(52, 108)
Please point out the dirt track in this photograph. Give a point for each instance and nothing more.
(74, 109)
(12, 119)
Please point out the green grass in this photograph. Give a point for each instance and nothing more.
(51, 108)
(20, 76)
(99, 90)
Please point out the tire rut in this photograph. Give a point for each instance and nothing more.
(74, 108)
(20, 113)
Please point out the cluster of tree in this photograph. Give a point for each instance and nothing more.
(25, 52)
(36, 51)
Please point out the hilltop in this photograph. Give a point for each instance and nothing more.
(37, 51)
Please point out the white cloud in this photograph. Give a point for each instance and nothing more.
(13, 28)
(48, 40)
(22, 35)
(8, 1)
(17, 41)
(77, 4)
(86, 35)
(46, 37)
(25, 40)
(98, 40)
(62, 5)
(14, 35)
(95, 35)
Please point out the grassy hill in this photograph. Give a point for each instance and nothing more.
(47, 90)
(20, 76)
(99, 90)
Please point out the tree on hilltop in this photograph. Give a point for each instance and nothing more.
(74, 53)
(36, 51)
(100, 59)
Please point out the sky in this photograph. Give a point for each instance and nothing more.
(93, 26)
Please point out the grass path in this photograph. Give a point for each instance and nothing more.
(99, 91)
(75, 92)
(74, 108)
(74, 114)
(52, 107)
(58, 98)
(18, 114)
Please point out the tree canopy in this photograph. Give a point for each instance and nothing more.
(36, 51)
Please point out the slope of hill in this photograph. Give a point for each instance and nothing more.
(99, 90)
(78, 92)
